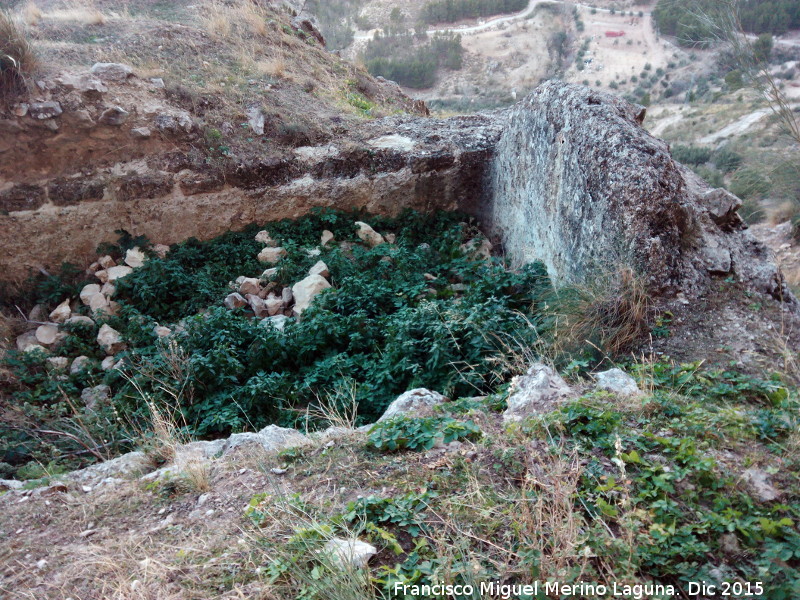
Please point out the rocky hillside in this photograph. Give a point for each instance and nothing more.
(308, 342)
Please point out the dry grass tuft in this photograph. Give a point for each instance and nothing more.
(610, 313)
(18, 60)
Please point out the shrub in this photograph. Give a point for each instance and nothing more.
(749, 183)
(17, 57)
(691, 155)
(727, 160)
(609, 314)
(404, 433)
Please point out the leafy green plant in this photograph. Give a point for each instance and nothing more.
(404, 433)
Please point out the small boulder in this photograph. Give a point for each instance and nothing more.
(162, 331)
(256, 120)
(92, 396)
(327, 236)
(269, 273)
(108, 363)
(107, 262)
(110, 340)
(618, 382)
(265, 238)
(135, 258)
(412, 402)
(26, 340)
(102, 275)
(271, 255)
(62, 312)
(273, 304)
(759, 484)
(58, 363)
(306, 290)
(540, 390)
(320, 268)
(88, 291)
(114, 116)
(108, 290)
(141, 133)
(81, 363)
(287, 297)
(99, 304)
(38, 313)
(368, 235)
(79, 319)
(118, 272)
(111, 71)
(249, 285)
(278, 322)
(349, 553)
(47, 335)
(161, 250)
(234, 300)
(257, 305)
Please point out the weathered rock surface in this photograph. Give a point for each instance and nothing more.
(350, 552)
(412, 402)
(579, 184)
(306, 290)
(110, 339)
(618, 382)
(539, 391)
(270, 439)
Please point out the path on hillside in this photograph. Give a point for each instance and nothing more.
(490, 24)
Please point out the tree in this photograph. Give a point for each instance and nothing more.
(762, 48)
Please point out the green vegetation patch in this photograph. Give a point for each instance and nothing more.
(417, 313)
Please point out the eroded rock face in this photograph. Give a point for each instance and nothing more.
(578, 184)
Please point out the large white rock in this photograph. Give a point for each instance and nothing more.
(110, 339)
(270, 439)
(265, 238)
(271, 255)
(99, 304)
(79, 319)
(135, 258)
(47, 335)
(540, 390)
(273, 305)
(368, 235)
(349, 553)
(234, 300)
(62, 312)
(125, 466)
(249, 285)
(759, 483)
(117, 272)
(58, 363)
(412, 402)
(88, 291)
(111, 71)
(320, 268)
(258, 305)
(327, 236)
(618, 382)
(306, 290)
(81, 363)
(278, 322)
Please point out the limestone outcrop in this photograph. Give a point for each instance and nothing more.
(579, 184)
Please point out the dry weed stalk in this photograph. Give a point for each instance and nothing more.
(611, 313)
(18, 60)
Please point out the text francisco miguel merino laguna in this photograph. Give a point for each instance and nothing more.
(495, 589)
